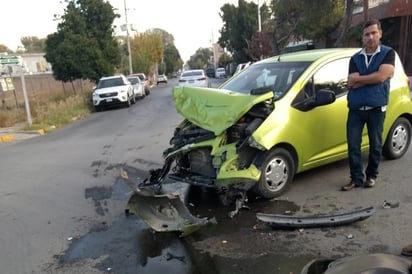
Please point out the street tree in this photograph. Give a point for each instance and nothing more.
(200, 59)
(4, 48)
(282, 21)
(33, 44)
(147, 51)
(224, 60)
(239, 25)
(173, 61)
(84, 46)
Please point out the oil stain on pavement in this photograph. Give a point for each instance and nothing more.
(128, 245)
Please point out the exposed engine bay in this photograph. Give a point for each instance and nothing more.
(192, 157)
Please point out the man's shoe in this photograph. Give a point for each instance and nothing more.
(370, 182)
(349, 186)
(407, 250)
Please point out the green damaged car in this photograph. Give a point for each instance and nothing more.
(279, 117)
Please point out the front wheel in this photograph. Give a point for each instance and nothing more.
(128, 103)
(398, 140)
(278, 169)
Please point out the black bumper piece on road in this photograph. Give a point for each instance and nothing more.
(291, 222)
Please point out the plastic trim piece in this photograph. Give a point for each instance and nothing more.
(285, 221)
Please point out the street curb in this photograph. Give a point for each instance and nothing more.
(6, 138)
(11, 137)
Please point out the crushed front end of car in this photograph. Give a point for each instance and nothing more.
(213, 147)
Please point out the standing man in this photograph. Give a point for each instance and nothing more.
(369, 73)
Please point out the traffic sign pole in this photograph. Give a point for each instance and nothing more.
(16, 60)
(26, 100)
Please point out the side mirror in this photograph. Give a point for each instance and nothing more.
(323, 97)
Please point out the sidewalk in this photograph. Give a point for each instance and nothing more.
(16, 132)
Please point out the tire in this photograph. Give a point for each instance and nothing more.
(278, 169)
(398, 140)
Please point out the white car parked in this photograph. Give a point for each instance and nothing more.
(138, 87)
(220, 73)
(195, 77)
(113, 90)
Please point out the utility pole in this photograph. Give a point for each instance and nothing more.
(259, 19)
(128, 40)
(260, 30)
(365, 10)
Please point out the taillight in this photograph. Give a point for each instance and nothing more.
(203, 78)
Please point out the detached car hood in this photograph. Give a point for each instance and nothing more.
(214, 109)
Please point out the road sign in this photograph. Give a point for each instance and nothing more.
(9, 60)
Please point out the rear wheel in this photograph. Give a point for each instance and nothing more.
(398, 140)
(278, 170)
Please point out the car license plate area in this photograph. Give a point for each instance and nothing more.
(191, 81)
(108, 100)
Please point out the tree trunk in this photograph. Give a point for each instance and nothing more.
(344, 26)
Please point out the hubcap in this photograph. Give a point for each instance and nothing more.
(276, 174)
(399, 138)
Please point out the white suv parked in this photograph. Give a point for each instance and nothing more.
(220, 73)
(113, 90)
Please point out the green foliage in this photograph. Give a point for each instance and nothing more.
(200, 59)
(172, 59)
(84, 46)
(147, 49)
(282, 21)
(33, 44)
(4, 48)
(239, 24)
(321, 17)
(225, 60)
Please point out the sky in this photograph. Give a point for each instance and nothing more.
(193, 23)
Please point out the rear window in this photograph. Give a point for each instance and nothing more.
(192, 73)
(260, 78)
(133, 80)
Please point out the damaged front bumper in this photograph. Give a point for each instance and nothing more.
(164, 212)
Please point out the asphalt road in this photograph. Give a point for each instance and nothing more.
(63, 194)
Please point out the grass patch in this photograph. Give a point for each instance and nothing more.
(49, 113)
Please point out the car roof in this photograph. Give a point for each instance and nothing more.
(111, 77)
(193, 70)
(311, 55)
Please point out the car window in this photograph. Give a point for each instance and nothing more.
(133, 80)
(192, 73)
(333, 76)
(259, 78)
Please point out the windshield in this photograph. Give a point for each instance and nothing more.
(112, 82)
(261, 78)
